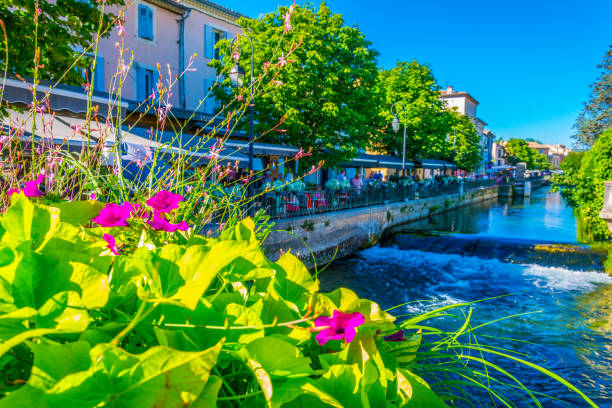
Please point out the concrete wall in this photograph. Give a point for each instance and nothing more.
(352, 230)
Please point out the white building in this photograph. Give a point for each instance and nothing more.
(466, 104)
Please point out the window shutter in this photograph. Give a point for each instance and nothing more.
(155, 81)
(150, 23)
(228, 36)
(142, 21)
(209, 46)
(210, 105)
(99, 79)
(140, 83)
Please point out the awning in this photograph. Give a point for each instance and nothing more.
(376, 161)
(434, 164)
(69, 133)
(261, 149)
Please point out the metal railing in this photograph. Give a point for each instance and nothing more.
(286, 204)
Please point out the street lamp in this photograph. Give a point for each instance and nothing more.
(236, 76)
(396, 125)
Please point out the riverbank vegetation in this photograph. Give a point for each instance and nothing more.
(584, 173)
(144, 284)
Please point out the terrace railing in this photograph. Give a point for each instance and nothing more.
(284, 204)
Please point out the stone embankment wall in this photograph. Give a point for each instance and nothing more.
(351, 230)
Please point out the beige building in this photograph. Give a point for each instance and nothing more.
(554, 152)
(466, 104)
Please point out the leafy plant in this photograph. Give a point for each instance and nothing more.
(181, 319)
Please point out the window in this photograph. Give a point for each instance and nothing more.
(146, 81)
(145, 22)
(211, 37)
(217, 36)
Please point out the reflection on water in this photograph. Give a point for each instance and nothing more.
(572, 332)
(544, 216)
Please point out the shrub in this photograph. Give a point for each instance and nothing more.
(582, 184)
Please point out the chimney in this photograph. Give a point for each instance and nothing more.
(449, 89)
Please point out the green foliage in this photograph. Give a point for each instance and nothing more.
(413, 85)
(582, 184)
(61, 29)
(183, 320)
(596, 116)
(463, 147)
(518, 151)
(325, 95)
(432, 130)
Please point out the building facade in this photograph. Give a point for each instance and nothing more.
(167, 38)
(466, 104)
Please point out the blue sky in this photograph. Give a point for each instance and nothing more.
(528, 62)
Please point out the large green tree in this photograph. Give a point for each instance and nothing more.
(518, 151)
(463, 147)
(432, 129)
(596, 116)
(57, 29)
(412, 85)
(326, 89)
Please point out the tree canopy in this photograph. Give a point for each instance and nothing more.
(432, 129)
(58, 29)
(326, 90)
(582, 184)
(596, 115)
(518, 151)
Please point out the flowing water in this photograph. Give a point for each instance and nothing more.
(570, 332)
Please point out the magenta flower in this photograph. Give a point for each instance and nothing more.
(114, 215)
(165, 201)
(160, 223)
(93, 196)
(339, 326)
(398, 336)
(110, 240)
(31, 188)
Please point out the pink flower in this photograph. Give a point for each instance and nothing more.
(93, 196)
(31, 188)
(282, 61)
(279, 83)
(114, 215)
(266, 65)
(302, 153)
(160, 223)
(120, 30)
(165, 201)
(235, 56)
(339, 326)
(288, 26)
(240, 98)
(188, 189)
(110, 240)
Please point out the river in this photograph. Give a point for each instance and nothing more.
(568, 325)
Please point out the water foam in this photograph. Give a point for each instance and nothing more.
(460, 270)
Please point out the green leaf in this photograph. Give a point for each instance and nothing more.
(279, 358)
(78, 212)
(293, 281)
(54, 362)
(24, 221)
(415, 393)
(208, 397)
(119, 379)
